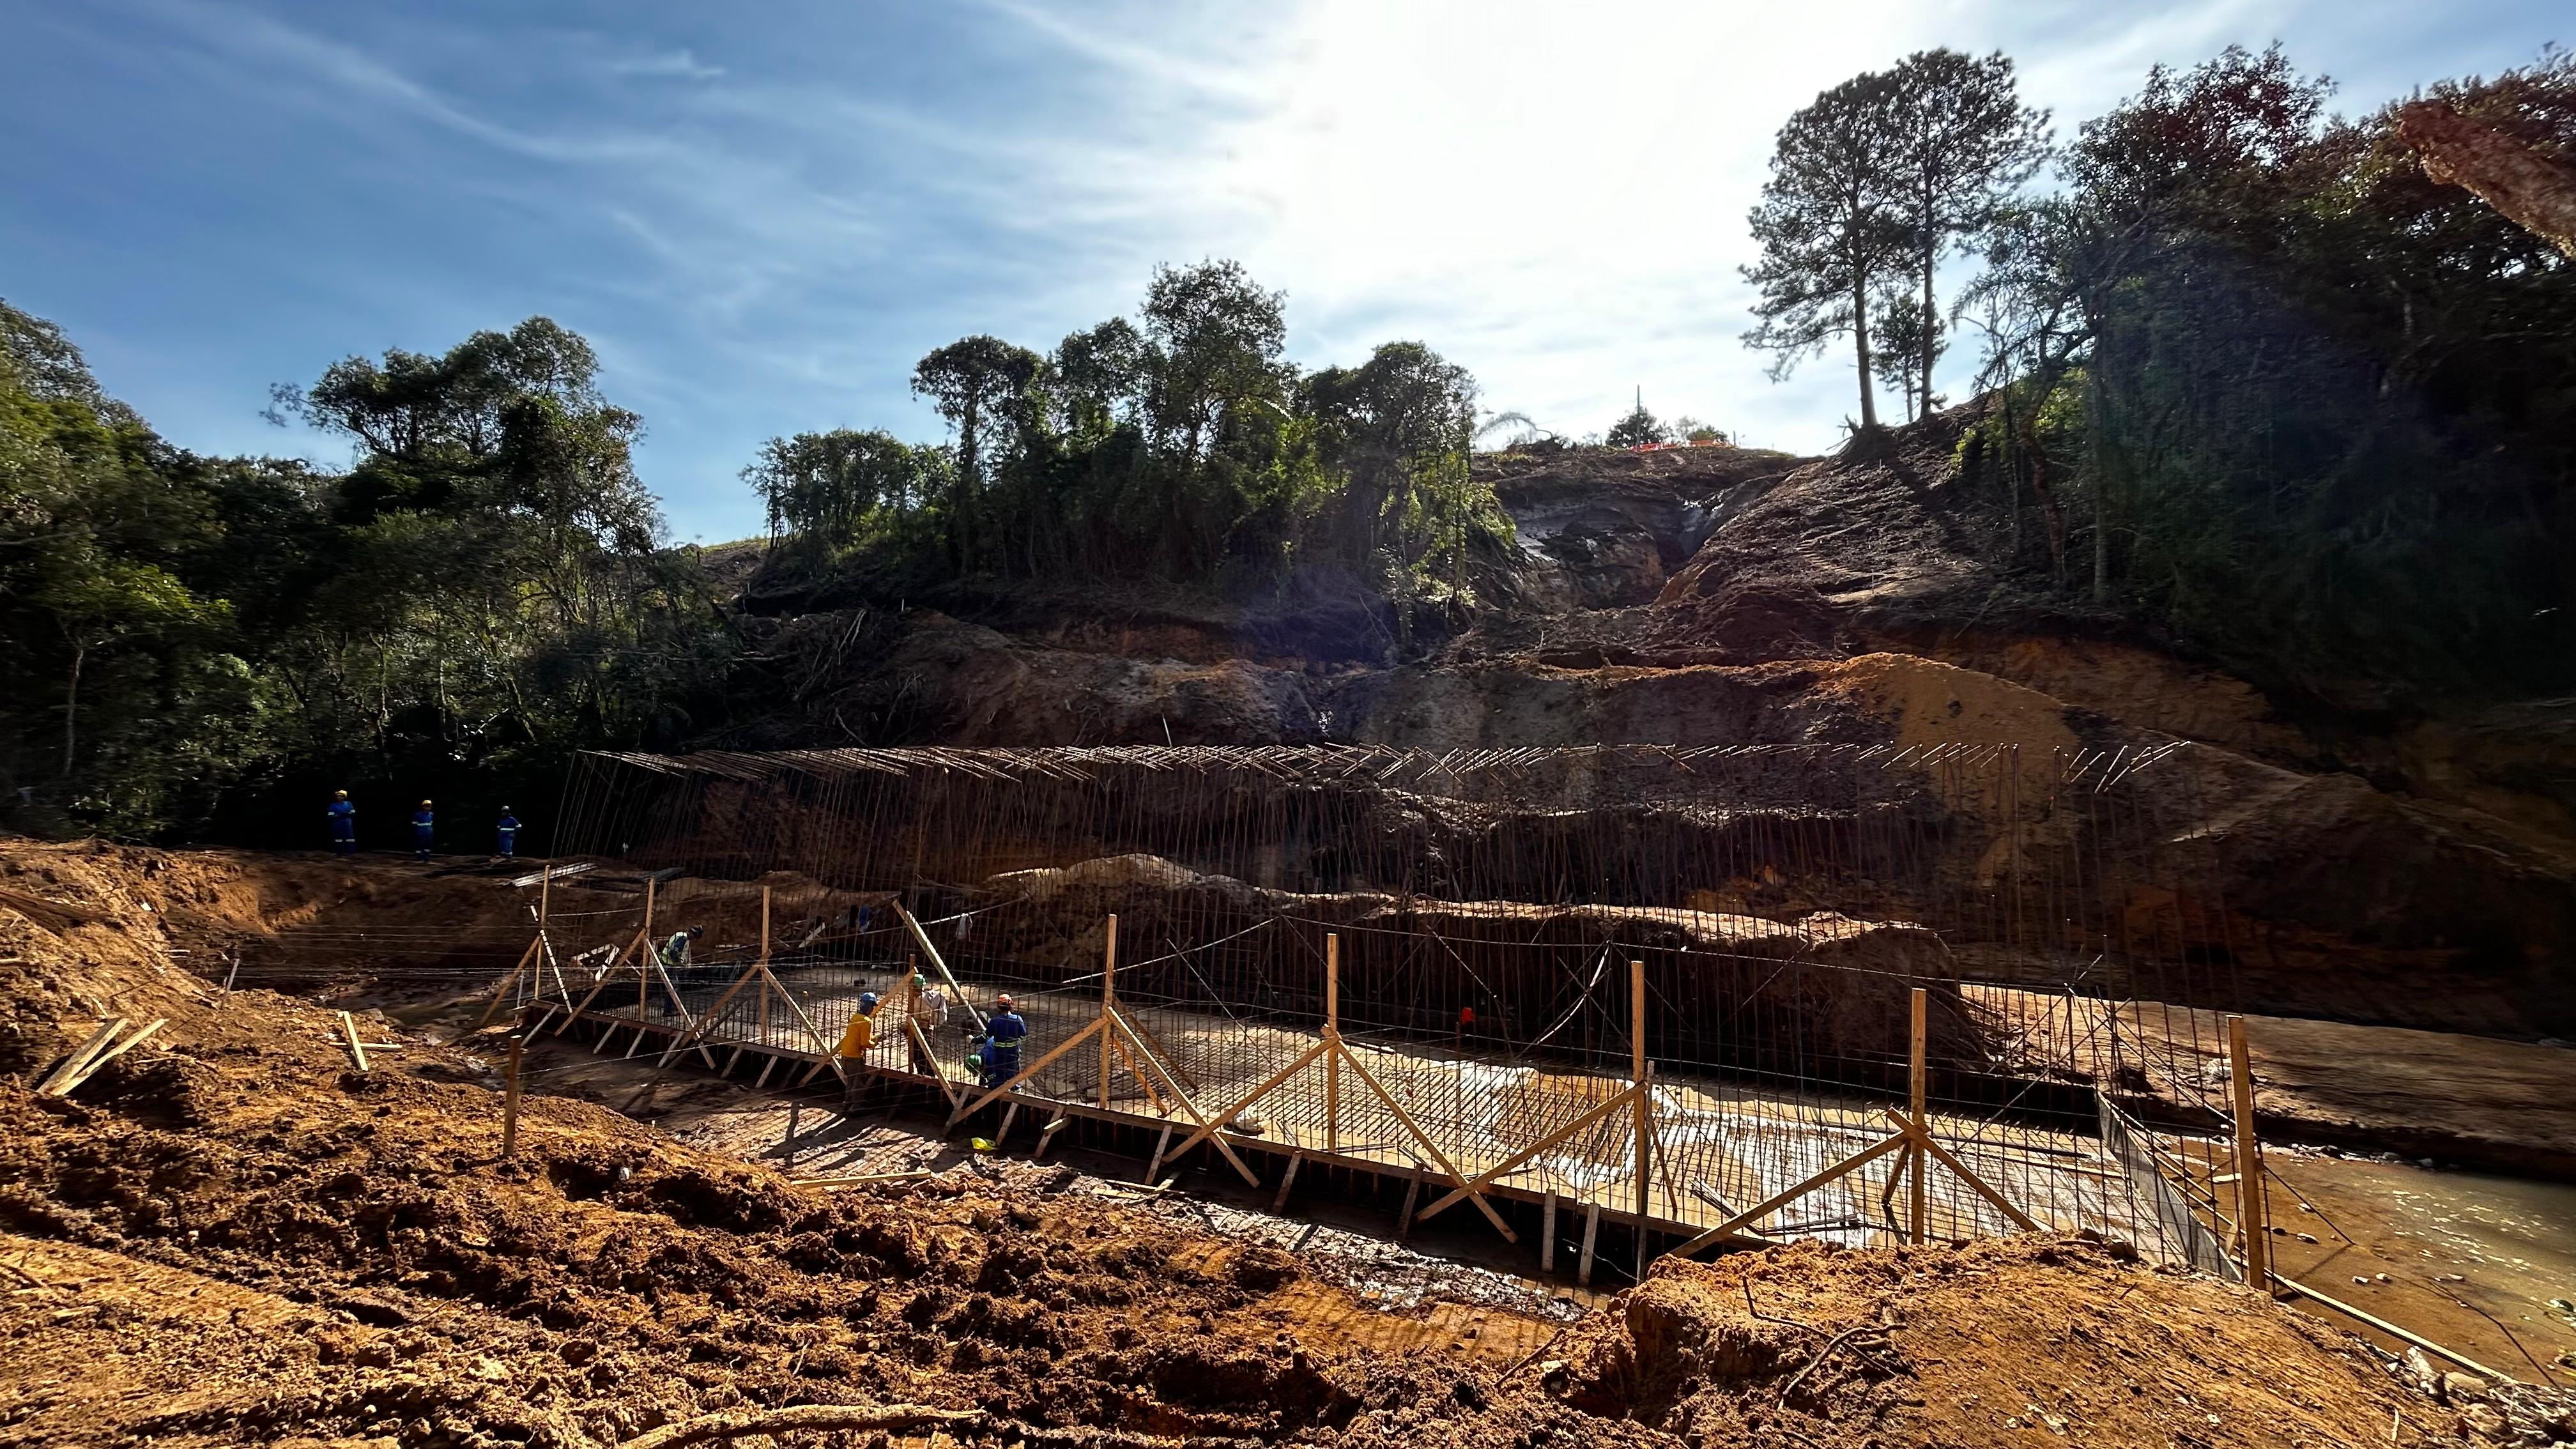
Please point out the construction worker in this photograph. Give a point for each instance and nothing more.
(861, 1033)
(676, 954)
(344, 824)
(424, 826)
(997, 1049)
(509, 830)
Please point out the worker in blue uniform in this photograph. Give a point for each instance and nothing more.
(509, 832)
(997, 1050)
(344, 824)
(424, 827)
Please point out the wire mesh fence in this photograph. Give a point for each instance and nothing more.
(1514, 939)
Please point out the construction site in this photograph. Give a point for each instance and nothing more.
(1865, 995)
(1727, 1095)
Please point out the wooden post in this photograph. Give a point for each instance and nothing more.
(1412, 1195)
(1547, 1234)
(764, 925)
(1591, 1231)
(545, 896)
(1333, 1034)
(1917, 1187)
(1287, 1180)
(2249, 1163)
(1108, 1005)
(510, 1101)
(1645, 1110)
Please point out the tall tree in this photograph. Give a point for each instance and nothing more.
(1827, 229)
(1960, 141)
(981, 385)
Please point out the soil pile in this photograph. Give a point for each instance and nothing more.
(2001, 1342)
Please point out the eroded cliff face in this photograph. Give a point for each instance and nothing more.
(2420, 872)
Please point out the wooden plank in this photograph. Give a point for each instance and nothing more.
(502, 991)
(1591, 1235)
(357, 1048)
(1118, 1022)
(1031, 1070)
(1412, 1195)
(1161, 1145)
(1979, 1185)
(1287, 1180)
(97, 1042)
(1774, 1203)
(1506, 1166)
(1476, 1195)
(921, 1044)
(1137, 1071)
(1547, 1234)
(1046, 1134)
(1271, 1084)
(112, 1053)
(2249, 1162)
(938, 963)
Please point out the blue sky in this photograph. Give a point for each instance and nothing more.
(762, 214)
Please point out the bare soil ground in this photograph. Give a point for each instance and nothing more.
(232, 1235)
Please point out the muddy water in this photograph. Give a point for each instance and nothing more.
(2471, 1261)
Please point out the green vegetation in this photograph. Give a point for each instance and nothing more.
(200, 643)
(2251, 377)
(1181, 447)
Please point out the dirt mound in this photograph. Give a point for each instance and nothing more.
(2020, 1341)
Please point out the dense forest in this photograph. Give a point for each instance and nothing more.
(2250, 377)
(2250, 380)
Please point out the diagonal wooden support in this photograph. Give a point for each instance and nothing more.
(921, 1044)
(1449, 1169)
(1118, 1022)
(1488, 1177)
(1978, 1185)
(112, 1053)
(699, 1029)
(1110, 1041)
(501, 992)
(607, 974)
(1774, 1203)
(1031, 1070)
(1274, 1083)
(682, 1008)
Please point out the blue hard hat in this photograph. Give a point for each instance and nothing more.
(867, 1001)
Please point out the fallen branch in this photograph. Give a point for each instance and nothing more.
(886, 1418)
(899, 1419)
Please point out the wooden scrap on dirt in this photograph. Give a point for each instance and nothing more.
(61, 1077)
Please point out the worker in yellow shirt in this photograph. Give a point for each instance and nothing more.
(861, 1033)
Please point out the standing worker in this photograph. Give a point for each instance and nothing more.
(861, 1033)
(997, 1051)
(509, 828)
(424, 825)
(344, 825)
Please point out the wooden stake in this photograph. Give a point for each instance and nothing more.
(1412, 1194)
(1160, 1143)
(1917, 1190)
(1591, 1233)
(764, 925)
(1332, 1033)
(2249, 1163)
(357, 1048)
(510, 1102)
(1108, 1005)
(1287, 1180)
(1547, 1234)
(1645, 1109)
(1046, 1134)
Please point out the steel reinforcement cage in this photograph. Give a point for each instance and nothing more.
(1464, 964)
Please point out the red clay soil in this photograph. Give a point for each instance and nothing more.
(231, 1235)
